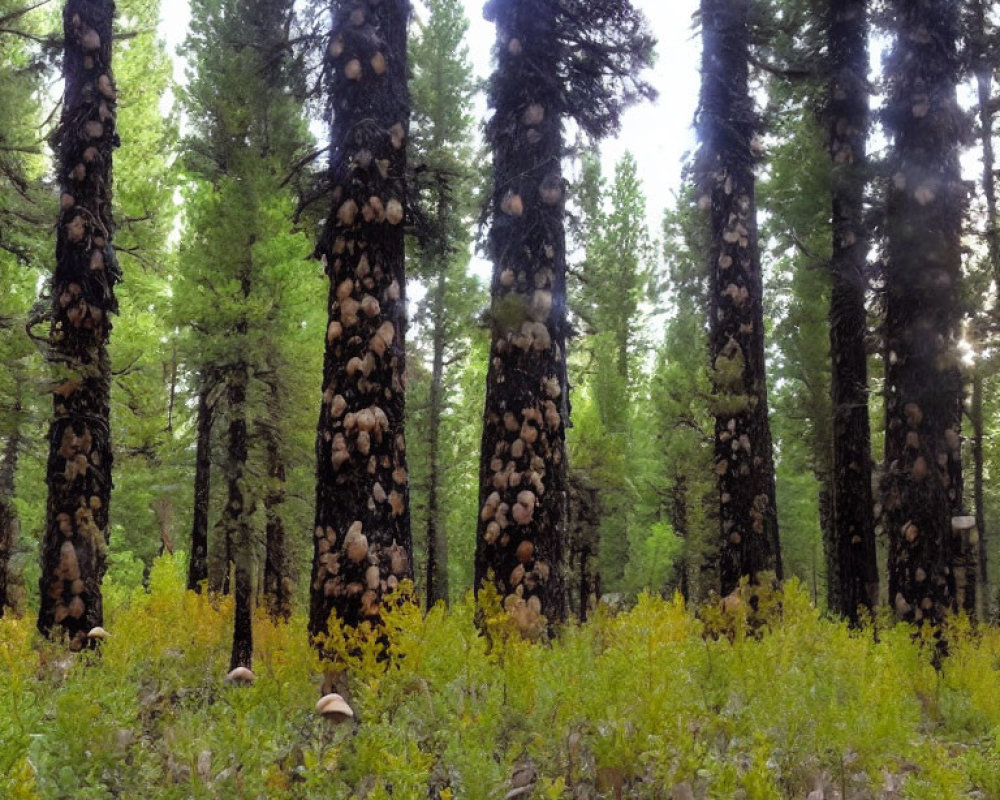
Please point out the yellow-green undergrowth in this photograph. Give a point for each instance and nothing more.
(629, 705)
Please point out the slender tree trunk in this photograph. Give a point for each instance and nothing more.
(437, 542)
(163, 508)
(523, 473)
(584, 515)
(923, 482)
(363, 545)
(278, 586)
(236, 519)
(979, 494)
(854, 563)
(78, 473)
(744, 462)
(679, 515)
(9, 523)
(172, 396)
(985, 70)
(830, 555)
(198, 565)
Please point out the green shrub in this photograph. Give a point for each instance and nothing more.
(759, 708)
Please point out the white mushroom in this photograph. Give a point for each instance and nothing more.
(334, 708)
(241, 676)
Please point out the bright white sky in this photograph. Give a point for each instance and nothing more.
(658, 134)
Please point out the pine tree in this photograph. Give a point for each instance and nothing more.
(150, 438)
(363, 545)
(984, 44)
(555, 60)
(24, 242)
(847, 114)
(612, 285)
(204, 416)
(79, 468)
(923, 482)
(681, 405)
(744, 462)
(442, 87)
(238, 251)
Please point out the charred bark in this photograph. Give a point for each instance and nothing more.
(198, 565)
(922, 489)
(363, 545)
(744, 462)
(78, 472)
(854, 565)
(523, 473)
(236, 519)
(278, 584)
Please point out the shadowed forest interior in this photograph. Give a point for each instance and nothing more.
(334, 371)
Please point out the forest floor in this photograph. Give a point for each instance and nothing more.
(655, 703)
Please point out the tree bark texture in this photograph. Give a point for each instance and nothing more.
(198, 564)
(679, 519)
(9, 523)
(855, 572)
(984, 69)
(78, 472)
(523, 473)
(278, 583)
(923, 482)
(979, 493)
(744, 463)
(363, 545)
(236, 518)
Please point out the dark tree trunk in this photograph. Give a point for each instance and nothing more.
(854, 568)
(744, 462)
(679, 520)
(523, 473)
(985, 69)
(437, 542)
(172, 381)
(979, 494)
(584, 517)
(198, 565)
(830, 554)
(236, 519)
(363, 545)
(923, 482)
(278, 585)
(9, 523)
(78, 473)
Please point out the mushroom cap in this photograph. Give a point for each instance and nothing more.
(241, 675)
(98, 633)
(334, 708)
